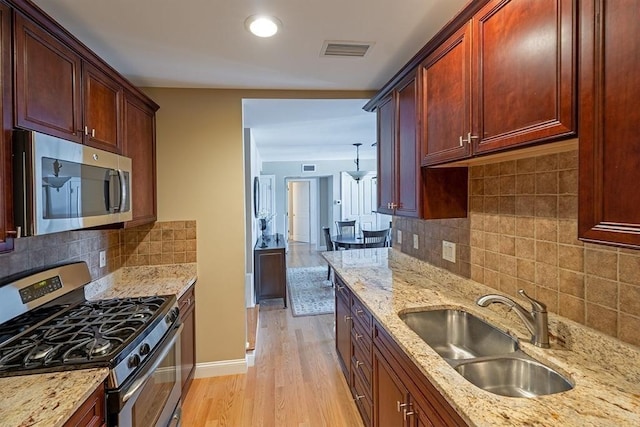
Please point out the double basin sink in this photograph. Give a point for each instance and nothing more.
(484, 355)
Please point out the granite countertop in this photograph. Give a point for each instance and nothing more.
(605, 371)
(48, 400)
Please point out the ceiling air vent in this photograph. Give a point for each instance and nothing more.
(308, 168)
(344, 48)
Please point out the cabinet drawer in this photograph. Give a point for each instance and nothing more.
(362, 397)
(187, 302)
(360, 365)
(361, 314)
(362, 340)
(341, 290)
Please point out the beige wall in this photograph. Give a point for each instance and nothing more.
(201, 177)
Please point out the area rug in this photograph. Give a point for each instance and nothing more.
(310, 293)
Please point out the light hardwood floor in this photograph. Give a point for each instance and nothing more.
(296, 380)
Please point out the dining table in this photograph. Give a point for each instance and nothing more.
(348, 241)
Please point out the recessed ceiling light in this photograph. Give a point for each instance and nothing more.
(262, 25)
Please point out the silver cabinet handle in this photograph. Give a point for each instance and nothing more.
(347, 318)
(86, 130)
(359, 396)
(399, 405)
(462, 141)
(93, 133)
(358, 364)
(358, 336)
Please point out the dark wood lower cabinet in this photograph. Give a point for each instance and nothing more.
(270, 269)
(187, 304)
(387, 387)
(388, 394)
(424, 405)
(91, 413)
(343, 328)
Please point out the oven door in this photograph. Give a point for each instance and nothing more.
(152, 397)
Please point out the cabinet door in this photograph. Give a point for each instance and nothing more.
(446, 90)
(6, 190)
(407, 164)
(524, 72)
(343, 334)
(388, 394)
(187, 339)
(609, 122)
(47, 83)
(386, 155)
(102, 110)
(140, 146)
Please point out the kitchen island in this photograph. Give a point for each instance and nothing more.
(604, 371)
(50, 399)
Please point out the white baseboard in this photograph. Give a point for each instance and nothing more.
(251, 358)
(218, 369)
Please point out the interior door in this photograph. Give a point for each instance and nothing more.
(300, 210)
(359, 201)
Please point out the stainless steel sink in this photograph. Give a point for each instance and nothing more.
(456, 334)
(484, 355)
(514, 377)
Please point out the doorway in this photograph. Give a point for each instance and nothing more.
(300, 225)
(302, 210)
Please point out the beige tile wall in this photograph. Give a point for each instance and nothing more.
(69, 246)
(523, 235)
(171, 242)
(153, 244)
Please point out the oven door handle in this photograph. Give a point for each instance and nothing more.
(140, 381)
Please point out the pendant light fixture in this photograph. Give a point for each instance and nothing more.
(357, 174)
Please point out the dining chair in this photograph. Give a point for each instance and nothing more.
(346, 228)
(330, 247)
(375, 239)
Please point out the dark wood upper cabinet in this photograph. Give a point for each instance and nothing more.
(61, 94)
(386, 155)
(404, 189)
(407, 151)
(446, 90)
(6, 117)
(524, 73)
(609, 123)
(47, 82)
(398, 152)
(103, 99)
(140, 146)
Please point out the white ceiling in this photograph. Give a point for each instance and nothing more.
(310, 129)
(203, 43)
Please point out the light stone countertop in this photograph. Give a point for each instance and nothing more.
(46, 399)
(49, 400)
(605, 371)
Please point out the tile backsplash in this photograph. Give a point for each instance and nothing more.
(171, 242)
(521, 233)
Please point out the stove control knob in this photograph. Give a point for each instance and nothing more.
(134, 361)
(172, 316)
(144, 349)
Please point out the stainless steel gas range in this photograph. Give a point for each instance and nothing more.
(46, 325)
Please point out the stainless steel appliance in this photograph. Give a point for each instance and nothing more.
(47, 325)
(60, 185)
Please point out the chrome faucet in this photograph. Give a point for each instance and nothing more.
(536, 321)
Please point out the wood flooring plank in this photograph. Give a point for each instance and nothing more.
(296, 380)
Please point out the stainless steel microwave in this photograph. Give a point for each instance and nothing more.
(61, 185)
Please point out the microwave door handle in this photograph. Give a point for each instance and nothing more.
(123, 190)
